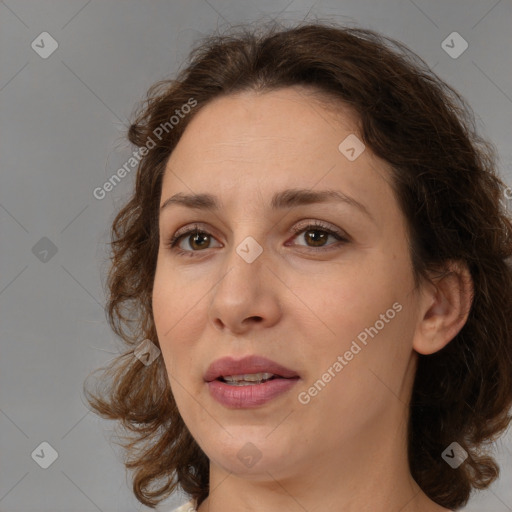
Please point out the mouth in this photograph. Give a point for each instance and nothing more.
(249, 382)
(248, 371)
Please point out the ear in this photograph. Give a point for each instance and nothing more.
(443, 308)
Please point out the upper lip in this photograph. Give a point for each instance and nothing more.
(249, 364)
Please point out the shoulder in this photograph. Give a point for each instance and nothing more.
(186, 507)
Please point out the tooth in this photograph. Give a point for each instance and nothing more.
(242, 383)
(249, 377)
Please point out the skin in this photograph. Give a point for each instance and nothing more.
(298, 304)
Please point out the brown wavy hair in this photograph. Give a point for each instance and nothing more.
(445, 180)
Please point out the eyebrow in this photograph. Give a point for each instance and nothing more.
(286, 199)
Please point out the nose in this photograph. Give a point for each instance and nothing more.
(246, 296)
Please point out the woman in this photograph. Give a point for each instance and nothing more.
(317, 246)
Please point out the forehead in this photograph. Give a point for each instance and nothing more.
(268, 141)
(273, 120)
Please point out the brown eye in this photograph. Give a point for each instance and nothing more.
(197, 240)
(317, 235)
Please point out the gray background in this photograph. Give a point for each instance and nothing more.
(62, 122)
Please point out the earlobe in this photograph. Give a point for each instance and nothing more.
(444, 308)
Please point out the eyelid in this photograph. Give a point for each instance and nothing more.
(320, 225)
(187, 231)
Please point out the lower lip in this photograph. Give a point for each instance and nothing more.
(242, 397)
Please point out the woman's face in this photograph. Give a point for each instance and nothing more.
(340, 314)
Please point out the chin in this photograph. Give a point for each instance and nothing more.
(250, 454)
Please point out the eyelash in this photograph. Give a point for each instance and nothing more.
(312, 226)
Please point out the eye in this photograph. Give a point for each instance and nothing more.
(198, 239)
(195, 237)
(318, 233)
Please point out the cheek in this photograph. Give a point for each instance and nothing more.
(168, 308)
(355, 304)
(170, 299)
(177, 310)
(350, 296)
